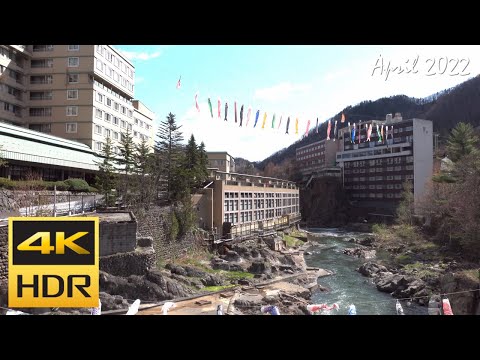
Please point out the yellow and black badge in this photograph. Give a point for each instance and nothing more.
(53, 262)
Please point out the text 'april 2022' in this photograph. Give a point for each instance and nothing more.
(449, 66)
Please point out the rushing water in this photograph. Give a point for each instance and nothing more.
(347, 286)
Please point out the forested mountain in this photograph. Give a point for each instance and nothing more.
(445, 108)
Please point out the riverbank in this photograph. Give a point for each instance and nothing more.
(413, 266)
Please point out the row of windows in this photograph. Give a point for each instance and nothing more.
(11, 108)
(232, 205)
(17, 93)
(247, 216)
(379, 178)
(47, 111)
(388, 161)
(109, 90)
(310, 149)
(108, 133)
(99, 97)
(378, 195)
(321, 153)
(233, 194)
(102, 50)
(18, 77)
(111, 73)
(39, 48)
(378, 170)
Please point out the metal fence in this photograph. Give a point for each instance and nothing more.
(60, 205)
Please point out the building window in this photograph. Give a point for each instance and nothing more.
(123, 124)
(115, 135)
(108, 133)
(41, 79)
(72, 78)
(41, 63)
(71, 127)
(98, 146)
(129, 113)
(37, 48)
(73, 47)
(99, 97)
(45, 128)
(72, 94)
(72, 110)
(73, 61)
(40, 95)
(40, 111)
(98, 113)
(115, 120)
(98, 129)
(109, 102)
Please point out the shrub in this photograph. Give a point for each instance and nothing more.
(77, 185)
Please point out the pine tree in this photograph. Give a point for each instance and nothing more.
(462, 141)
(107, 178)
(203, 163)
(145, 162)
(3, 162)
(190, 162)
(169, 149)
(126, 163)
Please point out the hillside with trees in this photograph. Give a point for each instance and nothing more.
(445, 108)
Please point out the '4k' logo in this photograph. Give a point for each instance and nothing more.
(60, 243)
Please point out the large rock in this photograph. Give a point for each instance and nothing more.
(370, 269)
(231, 255)
(194, 272)
(260, 267)
(388, 282)
(176, 269)
(113, 302)
(360, 253)
(212, 280)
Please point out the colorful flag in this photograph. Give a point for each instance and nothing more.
(316, 127)
(329, 127)
(241, 115)
(219, 105)
(335, 131)
(288, 124)
(343, 118)
(235, 105)
(273, 122)
(210, 106)
(391, 131)
(196, 102)
(249, 112)
(353, 134)
(308, 125)
(382, 134)
(264, 120)
(226, 110)
(256, 118)
(369, 132)
(379, 134)
(178, 83)
(296, 126)
(360, 131)
(280, 123)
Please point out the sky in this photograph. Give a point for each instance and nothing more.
(297, 81)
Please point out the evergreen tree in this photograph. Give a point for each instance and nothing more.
(169, 149)
(2, 160)
(106, 178)
(126, 161)
(405, 209)
(190, 163)
(145, 162)
(203, 163)
(462, 141)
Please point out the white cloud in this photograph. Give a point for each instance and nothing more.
(281, 91)
(141, 55)
(139, 79)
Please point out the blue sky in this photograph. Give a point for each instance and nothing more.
(300, 81)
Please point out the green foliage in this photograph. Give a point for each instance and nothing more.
(168, 148)
(405, 209)
(3, 162)
(186, 215)
(77, 185)
(126, 161)
(217, 288)
(443, 178)
(173, 226)
(67, 185)
(462, 141)
(106, 178)
(145, 174)
(379, 229)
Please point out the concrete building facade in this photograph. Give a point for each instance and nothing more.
(374, 171)
(78, 92)
(244, 202)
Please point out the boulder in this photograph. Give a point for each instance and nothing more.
(388, 282)
(260, 267)
(212, 280)
(371, 268)
(176, 269)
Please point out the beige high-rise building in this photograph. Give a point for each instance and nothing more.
(78, 92)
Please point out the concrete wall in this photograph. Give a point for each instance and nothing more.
(203, 203)
(422, 156)
(117, 237)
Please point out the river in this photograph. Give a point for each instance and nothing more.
(347, 286)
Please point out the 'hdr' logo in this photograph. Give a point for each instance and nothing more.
(53, 262)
